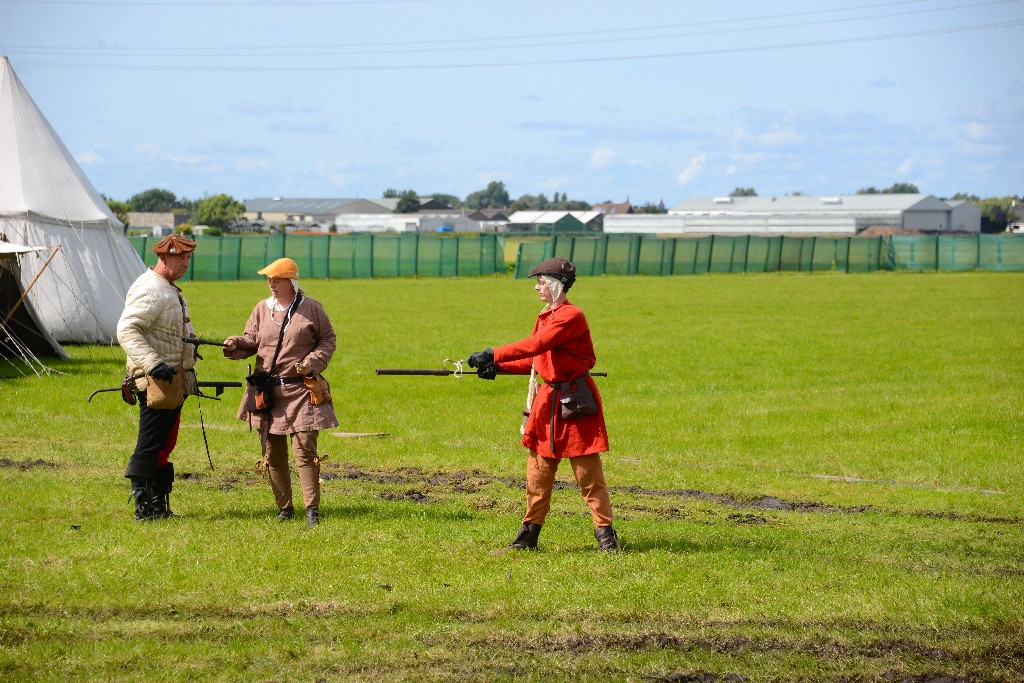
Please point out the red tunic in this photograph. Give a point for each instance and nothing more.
(561, 350)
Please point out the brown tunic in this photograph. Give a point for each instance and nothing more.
(308, 337)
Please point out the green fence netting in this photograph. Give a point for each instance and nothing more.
(394, 255)
(341, 256)
(648, 255)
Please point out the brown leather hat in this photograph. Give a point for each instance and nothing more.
(558, 268)
(174, 245)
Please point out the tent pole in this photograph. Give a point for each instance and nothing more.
(31, 285)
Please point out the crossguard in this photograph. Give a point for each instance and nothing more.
(456, 368)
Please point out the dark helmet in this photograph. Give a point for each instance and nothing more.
(558, 268)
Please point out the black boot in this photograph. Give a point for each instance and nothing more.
(285, 514)
(162, 485)
(312, 516)
(526, 539)
(142, 494)
(606, 537)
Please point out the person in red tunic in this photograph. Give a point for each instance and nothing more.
(564, 417)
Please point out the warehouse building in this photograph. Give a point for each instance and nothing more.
(802, 215)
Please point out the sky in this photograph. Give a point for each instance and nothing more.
(645, 100)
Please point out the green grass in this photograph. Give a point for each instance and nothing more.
(816, 478)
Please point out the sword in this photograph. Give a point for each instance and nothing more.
(218, 388)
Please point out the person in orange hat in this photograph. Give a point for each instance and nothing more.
(294, 341)
(150, 330)
(564, 418)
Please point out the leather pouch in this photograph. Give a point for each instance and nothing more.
(577, 400)
(165, 395)
(319, 389)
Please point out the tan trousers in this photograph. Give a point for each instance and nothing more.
(275, 453)
(540, 478)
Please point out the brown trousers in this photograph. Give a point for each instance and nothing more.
(540, 479)
(275, 454)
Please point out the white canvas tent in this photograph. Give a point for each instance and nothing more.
(46, 201)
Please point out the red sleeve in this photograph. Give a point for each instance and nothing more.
(560, 347)
(558, 331)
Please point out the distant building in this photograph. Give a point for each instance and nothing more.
(834, 215)
(612, 207)
(1016, 217)
(490, 220)
(314, 214)
(556, 221)
(160, 223)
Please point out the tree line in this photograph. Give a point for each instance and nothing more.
(218, 211)
(221, 210)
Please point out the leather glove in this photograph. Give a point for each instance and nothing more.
(489, 371)
(162, 372)
(481, 359)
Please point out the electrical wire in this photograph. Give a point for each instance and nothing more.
(350, 50)
(541, 62)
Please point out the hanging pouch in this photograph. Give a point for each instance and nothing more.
(259, 397)
(319, 389)
(165, 395)
(128, 390)
(576, 399)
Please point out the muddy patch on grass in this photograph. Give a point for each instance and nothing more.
(411, 496)
(25, 465)
(910, 654)
(698, 677)
(428, 482)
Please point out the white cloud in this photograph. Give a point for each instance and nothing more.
(983, 149)
(151, 150)
(89, 158)
(692, 169)
(249, 165)
(906, 167)
(336, 172)
(978, 131)
(602, 158)
(748, 158)
(777, 136)
(182, 159)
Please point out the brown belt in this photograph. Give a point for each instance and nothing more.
(558, 386)
(285, 380)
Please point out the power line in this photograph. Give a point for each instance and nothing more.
(546, 62)
(325, 50)
(204, 3)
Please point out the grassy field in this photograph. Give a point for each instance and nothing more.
(816, 478)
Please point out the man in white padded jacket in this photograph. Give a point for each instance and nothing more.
(154, 320)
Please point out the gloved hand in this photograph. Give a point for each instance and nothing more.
(162, 372)
(488, 371)
(480, 359)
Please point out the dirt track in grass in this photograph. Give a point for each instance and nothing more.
(428, 486)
